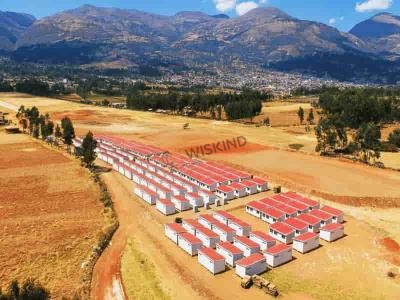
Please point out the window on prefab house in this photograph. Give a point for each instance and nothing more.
(283, 236)
(310, 226)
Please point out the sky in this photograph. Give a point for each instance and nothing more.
(342, 14)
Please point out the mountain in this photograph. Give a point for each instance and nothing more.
(381, 32)
(11, 26)
(262, 38)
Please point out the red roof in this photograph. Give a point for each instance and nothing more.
(293, 195)
(176, 227)
(273, 212)
(259, 181)
(305, 236)
(208, 218)
(165, 201)
(282, 199)
(262, 235)
(230, 248)
(282, 228)
(309, 219)
(332, 211)
(332, 227)
(248, 183)
(309, 202)
(277, 249)
(207, 232)
(238, 186)
(286, 209)
(298, 205)
(257, 205)
(180, 198)
(296, 223)
(224, 214)
(225, 188)
(246, 241)
(239, 222)
(320, 214)
(251, 260)
(211, 254)
(190, 238)
(270, 202)
(223, 227)
(193, 223)
(193, 195)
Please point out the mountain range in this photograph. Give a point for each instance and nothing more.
(262, 38)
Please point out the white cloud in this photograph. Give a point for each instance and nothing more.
(335, 20)
(263, 1)
(225, 5)
(245, 7)
(370, 5)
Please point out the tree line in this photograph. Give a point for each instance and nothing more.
(351, 121)
(29, 290)
(246, 104)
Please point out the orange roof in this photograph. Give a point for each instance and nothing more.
(251, 260)
(277, 249)
(246, 241)
(305, 236)
(262, 235)
(176, 227)
(190, 238)
(211, 254)
(230, 248)
(332, 227)
(332, 211)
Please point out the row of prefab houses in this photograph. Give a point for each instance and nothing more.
(222, 239)
(181, 188)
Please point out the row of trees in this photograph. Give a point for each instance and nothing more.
(244, 105)
(351, 119)
(30, 290)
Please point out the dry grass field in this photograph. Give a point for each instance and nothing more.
(354, 267)
(50, 215)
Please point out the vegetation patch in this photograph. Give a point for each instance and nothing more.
(296, 146)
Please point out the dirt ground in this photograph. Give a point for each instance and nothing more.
(50, 216)
(369, 197)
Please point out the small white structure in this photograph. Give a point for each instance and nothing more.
(239, 189)
(207, 221)
(282, 232)
(195, 199)
(165, 206)
(299, 226)
(254, 264)
(211, 260)
(272, 215)
(241, 228)
(191, 225)
(146, 194)
(331, 232)
(226, 234)
(264, 240)
(306, 242)
(230, 252)
(189, 243)
(278, 255)
(181, 203)
(225, 192)
(262, 185)
(223, 216)
(173, 230)
(337, 215)
(324, 217)
(248, 246)
(290, 212)
(256, 208)
(299, 206)
(207, 236)
(251, 187)
(312, 222)
(208, 197)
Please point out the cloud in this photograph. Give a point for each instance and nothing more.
(225, 5)
(371, 5)
(335, 20)
(245, 7)
(263, 1)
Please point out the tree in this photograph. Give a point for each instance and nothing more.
(89, 144)
(394, 137)
(68, 132)
(58, 133)
(310, 117)
(368, 136)
(14, 290)
(32, 290)
(300, 114)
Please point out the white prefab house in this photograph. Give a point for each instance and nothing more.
(299, 206)
(262, 185)
(264, 240)
(190, 187)
(255, 208)
(312, 204)
(246, 245)
(211, 260)
(146, 194)
(239, 190)
(177, 189)
(306, 242)
(282, 232)
(207, 221)
(207, 236)
(278, 255)
(195, 200)
(299, 226)
(331, 232)
(337, 215)
(208, 197)
(241, 228)
(223, 216)
(290, 212)
(173, 230)
(226, 234)
(189, 243)
(324, 217)
(230, 252)
(272, 215)
(251, 187)
(254, 264)
(135, 177)
(181, 203)
(163, 192)
(312, 222)
(165, 206)
(191, 225)
(225, 192)
(128, 172)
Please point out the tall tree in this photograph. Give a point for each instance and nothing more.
(310, 117)
(300, 114)
(89, 144)
(368, 136)
(394, 137)
(68, 132)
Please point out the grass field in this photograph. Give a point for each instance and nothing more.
(50, 216)
(354, 266)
